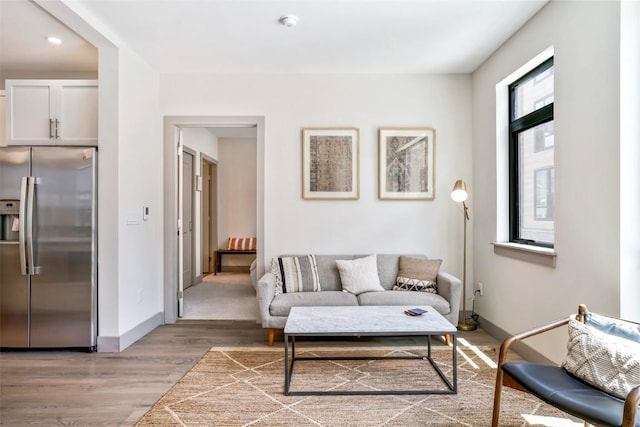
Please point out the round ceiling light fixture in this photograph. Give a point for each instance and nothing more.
(54, 40)
(288, 20)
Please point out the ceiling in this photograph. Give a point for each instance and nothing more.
(24, 28)
(244, 36)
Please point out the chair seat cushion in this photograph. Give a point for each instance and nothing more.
(557, 387)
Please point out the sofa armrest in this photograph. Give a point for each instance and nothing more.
(266, 288)
(450, 288)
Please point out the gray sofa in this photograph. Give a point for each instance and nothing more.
(274, 308)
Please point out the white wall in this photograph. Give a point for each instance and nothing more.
(237, 194)
(368, 102)
(139, 164)
(202, 141)
(519, 294)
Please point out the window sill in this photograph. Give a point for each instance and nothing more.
(528, 253)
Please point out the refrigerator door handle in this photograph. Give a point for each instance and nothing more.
(31, 190)
(22, 225)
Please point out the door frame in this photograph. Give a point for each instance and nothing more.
(171, 134)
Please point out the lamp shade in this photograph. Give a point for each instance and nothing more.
(459, 193)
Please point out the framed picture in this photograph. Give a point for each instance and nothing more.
(406, 164)
(330, 164)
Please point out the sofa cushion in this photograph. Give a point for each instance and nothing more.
(359, 275)
(609, 363)
(281, 304)
(328, 271)
(405, 298)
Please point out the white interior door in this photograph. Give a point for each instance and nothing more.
(187, 210)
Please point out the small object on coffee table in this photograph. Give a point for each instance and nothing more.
(415, 312)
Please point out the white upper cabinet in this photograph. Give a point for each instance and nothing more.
(3, 131)
(51, 112)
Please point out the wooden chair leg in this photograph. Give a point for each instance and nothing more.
(496, 398)
(271, 337)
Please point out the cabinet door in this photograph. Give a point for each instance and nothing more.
(3, 128)
(29, 112)
(77, 113)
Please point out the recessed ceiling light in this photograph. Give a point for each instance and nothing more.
(54, 40)
(288, 20)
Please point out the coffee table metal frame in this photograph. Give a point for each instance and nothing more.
(290, 339)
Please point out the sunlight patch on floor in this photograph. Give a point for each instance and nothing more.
(539, 420)
(486, 359)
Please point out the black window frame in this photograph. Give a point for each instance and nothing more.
(517, 126)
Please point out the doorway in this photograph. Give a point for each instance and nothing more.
(173, 247)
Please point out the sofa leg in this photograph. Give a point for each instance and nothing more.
(271, 337)
(447, 339)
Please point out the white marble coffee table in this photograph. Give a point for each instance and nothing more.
(382, 321)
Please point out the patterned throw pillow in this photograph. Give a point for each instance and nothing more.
(296, 274)
(417, 274)
(407, 284)
(609, 363)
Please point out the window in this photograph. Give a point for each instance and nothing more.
(531, 157)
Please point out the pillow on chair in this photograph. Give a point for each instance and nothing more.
(609, 363)
(612, 326)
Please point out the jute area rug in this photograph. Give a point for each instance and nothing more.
(245, 387)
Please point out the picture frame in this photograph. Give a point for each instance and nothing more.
(406, 164)
(330, 163)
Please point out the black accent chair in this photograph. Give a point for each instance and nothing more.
(557, 387)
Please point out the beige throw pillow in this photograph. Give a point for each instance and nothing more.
(359, 275)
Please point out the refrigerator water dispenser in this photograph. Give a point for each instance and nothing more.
(9, 219)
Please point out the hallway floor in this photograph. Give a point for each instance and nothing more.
(225, 296)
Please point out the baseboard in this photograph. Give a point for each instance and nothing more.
(117, 344)
(198, 280)
(520, 348)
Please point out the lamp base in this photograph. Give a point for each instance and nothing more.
(467, 326)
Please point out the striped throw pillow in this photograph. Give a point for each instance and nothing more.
(299, 274)
(242, 244)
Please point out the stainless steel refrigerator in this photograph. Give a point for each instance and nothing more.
(48, 248)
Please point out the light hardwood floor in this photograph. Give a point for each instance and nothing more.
(48, 388)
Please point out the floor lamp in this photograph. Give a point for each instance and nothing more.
(459, 194)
